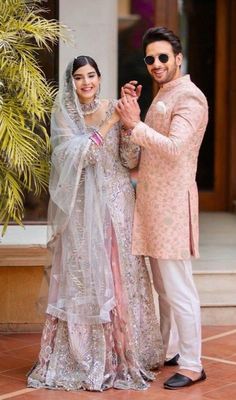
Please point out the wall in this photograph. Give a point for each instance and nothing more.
(94, 25)
(23, 259)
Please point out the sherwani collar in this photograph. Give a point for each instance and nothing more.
(175, 82)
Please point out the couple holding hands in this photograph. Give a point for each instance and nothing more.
(101, 329)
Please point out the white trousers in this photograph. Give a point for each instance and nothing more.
(179, 304)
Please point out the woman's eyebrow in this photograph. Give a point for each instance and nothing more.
(80, 75)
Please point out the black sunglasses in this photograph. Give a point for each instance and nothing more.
(163, 58)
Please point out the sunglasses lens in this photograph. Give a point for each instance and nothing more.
(163, 58)
(149, 60)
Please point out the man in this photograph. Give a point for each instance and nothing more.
(166, 214)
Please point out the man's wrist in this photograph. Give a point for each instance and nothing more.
(135, 123)
(131, 125)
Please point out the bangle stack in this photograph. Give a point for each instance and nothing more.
(97, 138)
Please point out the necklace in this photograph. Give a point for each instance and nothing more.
(91, 107)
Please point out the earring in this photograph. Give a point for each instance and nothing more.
(98, 92)
(73, 84)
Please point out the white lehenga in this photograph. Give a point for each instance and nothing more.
(101, 330)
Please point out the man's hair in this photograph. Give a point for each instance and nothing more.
(161, 33)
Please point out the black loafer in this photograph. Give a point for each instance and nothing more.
(173, 361)
(178, 381)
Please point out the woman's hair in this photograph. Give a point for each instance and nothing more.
(162, 33)
(81, 61)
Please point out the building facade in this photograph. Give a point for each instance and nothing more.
(111, 32)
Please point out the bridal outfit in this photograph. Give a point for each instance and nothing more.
(101, 330)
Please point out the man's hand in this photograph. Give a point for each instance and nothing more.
(132, 89)
(129, 110)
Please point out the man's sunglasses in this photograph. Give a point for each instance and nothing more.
(163, 58)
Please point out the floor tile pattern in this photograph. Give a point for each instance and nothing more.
(19, 351)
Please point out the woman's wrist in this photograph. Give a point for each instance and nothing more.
(105, 127)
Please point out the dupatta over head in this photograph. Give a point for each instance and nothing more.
(79, 224)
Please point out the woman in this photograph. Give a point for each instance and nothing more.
(101, 330)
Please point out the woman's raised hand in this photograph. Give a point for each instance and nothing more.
(131, 89)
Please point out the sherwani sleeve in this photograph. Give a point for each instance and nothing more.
(188, 117)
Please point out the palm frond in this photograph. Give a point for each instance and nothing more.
(25, 102)
(11, 197)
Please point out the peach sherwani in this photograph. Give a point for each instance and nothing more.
(166, 213)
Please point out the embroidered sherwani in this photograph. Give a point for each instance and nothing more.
(166, 213)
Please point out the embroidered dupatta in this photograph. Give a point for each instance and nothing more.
(81, 286)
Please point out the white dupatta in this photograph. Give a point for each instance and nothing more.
(81, 284)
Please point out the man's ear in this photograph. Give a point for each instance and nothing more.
(179, 59)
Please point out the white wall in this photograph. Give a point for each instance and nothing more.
(94, 25)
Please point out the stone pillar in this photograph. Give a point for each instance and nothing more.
(94, 25)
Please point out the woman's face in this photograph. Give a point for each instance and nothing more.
(86, 83)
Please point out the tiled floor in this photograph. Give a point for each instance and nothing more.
(19, 351)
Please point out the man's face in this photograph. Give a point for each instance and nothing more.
(163, 72)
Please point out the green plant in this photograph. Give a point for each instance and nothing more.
(25, 102)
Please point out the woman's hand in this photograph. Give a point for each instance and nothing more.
(131, 89)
